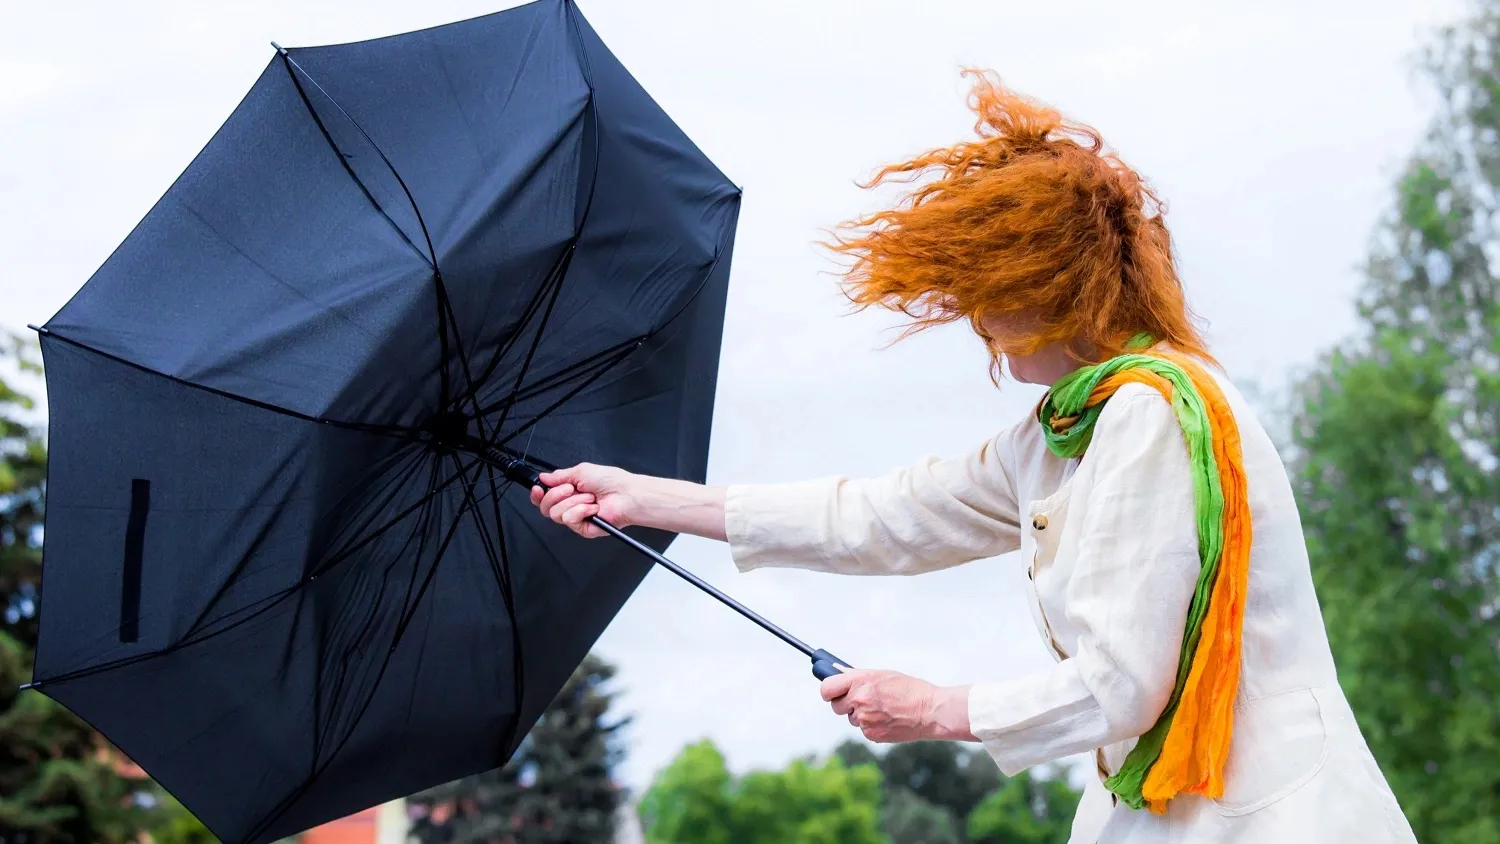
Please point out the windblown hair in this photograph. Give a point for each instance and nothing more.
(1033, 222)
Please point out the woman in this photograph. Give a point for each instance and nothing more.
(1170, 574)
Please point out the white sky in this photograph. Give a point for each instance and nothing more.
(1273, 129)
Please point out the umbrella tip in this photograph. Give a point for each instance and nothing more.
(38, 329)
(280, 49)
(29, 686)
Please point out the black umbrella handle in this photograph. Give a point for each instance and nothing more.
(824, 664)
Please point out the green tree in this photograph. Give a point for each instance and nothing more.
(57, 785)
(808, 804)
(694, 800)
(690, 800)
(1394, 458)
(854, 753)
(945, 774)
(556, 789)
(23, 476)
(910, 819)
(927, 780)
(1025, 810)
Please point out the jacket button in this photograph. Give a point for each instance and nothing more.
(1040, 522)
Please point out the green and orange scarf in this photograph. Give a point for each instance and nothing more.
(1186, 749)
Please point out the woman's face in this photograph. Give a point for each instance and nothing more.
(1046, 366)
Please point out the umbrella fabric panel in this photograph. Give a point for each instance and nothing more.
(490, 124)
(235, 492)
(266, 272)
(257, 661)
(652, 411)
(481, 118)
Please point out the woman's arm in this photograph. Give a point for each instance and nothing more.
(930, 515)
(933, 514)
(1138, 563)
(624, 498)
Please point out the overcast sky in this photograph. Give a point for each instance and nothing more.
(1273, 130)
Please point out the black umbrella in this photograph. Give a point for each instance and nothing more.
(284, 571)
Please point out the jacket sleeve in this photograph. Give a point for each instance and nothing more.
(931, 515)
(1137, 565)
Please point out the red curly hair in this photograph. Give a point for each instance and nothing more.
(1034, 223)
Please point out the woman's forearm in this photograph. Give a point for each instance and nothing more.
(679, 507)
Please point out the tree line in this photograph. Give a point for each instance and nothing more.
(558, 790)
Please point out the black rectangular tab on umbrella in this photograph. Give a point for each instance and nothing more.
(130, 567)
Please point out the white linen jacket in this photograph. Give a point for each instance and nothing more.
(1112, 545)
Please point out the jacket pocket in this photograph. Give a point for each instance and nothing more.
(1279, 743)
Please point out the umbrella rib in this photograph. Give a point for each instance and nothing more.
(393, 431)
(484, 535)
(536, 342)
(421, 529)
(419, 532)
(290, 62)
(408, 603)
(390, 523)
(713, 266)
(410, 612)
(559, 271)
(622, 355)
(339, 154)
(599, 368)
(500, 568)
(362, 709)
(394, 481)
(588, 207)
(588, 78)
(564, 261)
(559, 377)
(446, 321)
(630, 346)
(322, 307)
(268, 602)
(554, 276)
(388, 490)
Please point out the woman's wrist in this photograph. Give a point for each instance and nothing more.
(948, 718)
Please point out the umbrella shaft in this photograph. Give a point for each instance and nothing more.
(702, 584)
(521, 472)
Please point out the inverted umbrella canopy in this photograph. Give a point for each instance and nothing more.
(283, 571)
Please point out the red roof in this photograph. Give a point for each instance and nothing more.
(355, 829)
